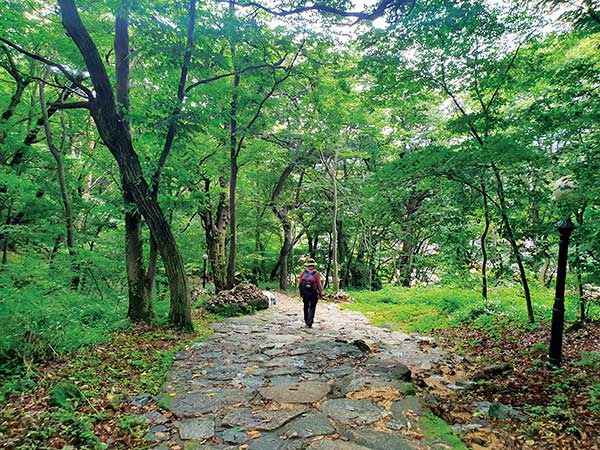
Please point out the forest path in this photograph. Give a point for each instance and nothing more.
(266, 382)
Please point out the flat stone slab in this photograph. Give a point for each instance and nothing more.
(310, 425)
(367, 382)
(207, 401)
(235, 437)
(334, 444)
(352, 412)
(392, 369)
(271, 441)
(378, 440)
(198, 429)
(261, 420)
(303, 392)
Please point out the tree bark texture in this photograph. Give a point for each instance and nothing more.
(215, 229)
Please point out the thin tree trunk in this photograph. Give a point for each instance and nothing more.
(405, 260)
(5, 236)
(64, 192)
(334, 247)
(329, 258)
(283, 257)
(232, 223)
(139, 302)
(233, 155)
(282, 214)
(486, 216)
(578, 267)
(513, 244)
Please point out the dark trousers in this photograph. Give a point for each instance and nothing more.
(310, 306)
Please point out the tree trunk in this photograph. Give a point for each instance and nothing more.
(139, 302)
(232, 223)
(285, 251)
(64, 192)
(513, 243)
(233, 154)
(311, 248)
(578, 267)
(282, 214)
(117, 138)
(334, 247)
(484, 259)
(4, 235)
(405, 277)
(215, 229)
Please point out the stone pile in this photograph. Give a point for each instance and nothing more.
(243, 298)
(340, 297)
(198, 292)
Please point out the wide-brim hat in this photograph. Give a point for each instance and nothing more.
(310, 262)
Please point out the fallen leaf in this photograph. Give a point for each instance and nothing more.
(253, 434)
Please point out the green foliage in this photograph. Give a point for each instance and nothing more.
(133, 423)
(36, 326)
(78, 427)
(589, 359)
(439, 432)
(594, 395)
(65, 395)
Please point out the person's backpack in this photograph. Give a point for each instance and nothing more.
(308, 281)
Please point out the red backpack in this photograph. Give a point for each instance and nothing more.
(308, 281)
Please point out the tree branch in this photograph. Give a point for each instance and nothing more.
(510, 65)
(276, 65)
(288, 71)
(459, 106)
(73, 79)
(71, 105)
(181, 92)
(379, 11)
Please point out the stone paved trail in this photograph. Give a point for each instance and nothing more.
(265, 382)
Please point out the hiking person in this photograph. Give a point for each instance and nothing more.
(310, 291)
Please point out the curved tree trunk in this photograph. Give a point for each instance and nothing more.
(116, 136)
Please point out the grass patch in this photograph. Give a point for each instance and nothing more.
(437, 431)
(424, 309)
